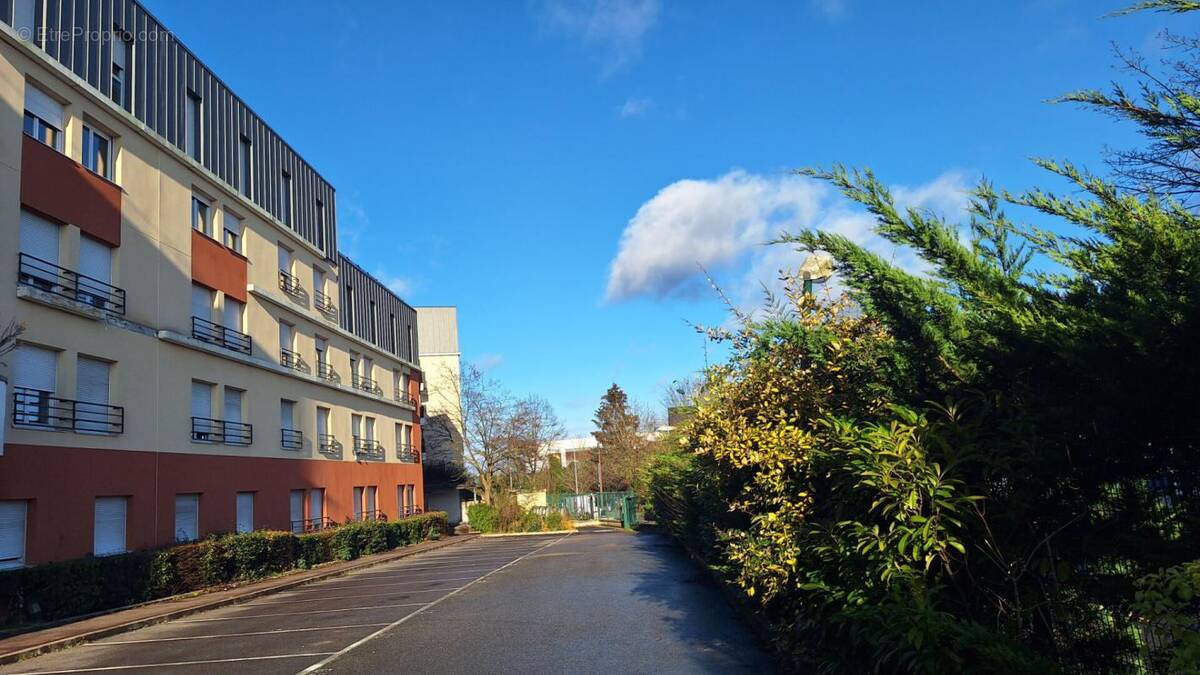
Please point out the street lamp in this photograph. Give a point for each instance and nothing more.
(816, 267)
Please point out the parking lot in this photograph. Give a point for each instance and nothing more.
(293, 630)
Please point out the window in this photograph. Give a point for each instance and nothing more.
(374, 323)
(43, 117)
(402, 499)
(234, 315)
(95, 263)
(400, 392)
(285, 211)
(358, 503)
(316, 504)
(245, 512)
(202, 395)
(410, 345)
(35, 374)
(404, 380)
(369, 428)
(233, 231)
(320, 224)
(356, 426)
(394, 333)
(372, 500)
(368, 369)
(348, 308)
(287, 415)
(97, 152)
(92, 378)
(322, 347)
(296, 509)
(187, 517)
(322, 424)
(108, 526)
(39, 238)
(12, 534)
(193, 126)
(412, 498)
(201, 215)
(25, 19)
(121, 49)
(285, 259)
(233, 405)
(202, 302)
(246, 164)
(406, 430)
(318, 280)
(353, 366)
(287, 338)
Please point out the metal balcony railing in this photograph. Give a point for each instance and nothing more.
(291, 439)
(364, 383)
(368, 448)
(46, 276)
(292, 360)
(37, 409)
(327, 444)
(216, 334)
(407, 454)
(313, 524)
(373, 514)
(409, 510)
(325, 371)
(289, 284)
(208, 430)
(323, 303)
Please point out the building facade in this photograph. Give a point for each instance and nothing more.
(198, 357)
(441, 365)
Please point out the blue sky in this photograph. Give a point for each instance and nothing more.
(559, 170)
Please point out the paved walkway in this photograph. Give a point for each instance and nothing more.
(608, 602)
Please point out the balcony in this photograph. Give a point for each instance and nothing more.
(291, 439)
(368, 448)
(407, 511)
(327, 444)
(313, 524)
(216, 334)
(402, 397)
(364, 383)
(50, 278)
(289, 284)
(208, 430)
(407, 454)
(64, 190)
(324, 304)
(37, 409)
(290, 359)
(374, 514)
(326, 372)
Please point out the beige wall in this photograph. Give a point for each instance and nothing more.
(152, 374)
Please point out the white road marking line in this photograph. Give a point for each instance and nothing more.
(344, 597)
(313, 611)
(176, 664)
(432, 565)
(333, 657)
(277, 631)
(432, 570)
(392, 583)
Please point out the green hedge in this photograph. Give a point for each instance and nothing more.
(70, 588)
(509, 517)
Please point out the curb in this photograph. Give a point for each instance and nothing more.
(64, 643)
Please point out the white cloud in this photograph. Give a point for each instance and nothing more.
(721, 224)
(831, 9)
(635, 106)
(615, 28)
(488, 362)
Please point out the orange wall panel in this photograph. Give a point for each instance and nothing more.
(217, 267)
(61, 189)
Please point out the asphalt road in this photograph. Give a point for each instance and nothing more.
(609, 601)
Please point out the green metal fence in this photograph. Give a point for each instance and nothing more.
(620, 506)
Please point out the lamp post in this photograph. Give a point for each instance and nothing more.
(816, 267)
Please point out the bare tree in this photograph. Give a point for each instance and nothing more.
(683, 392)
(483, 418)
(9, 335)
(535, 426)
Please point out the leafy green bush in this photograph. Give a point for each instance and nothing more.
(482, 517)
(1168, 603)
(74, 587)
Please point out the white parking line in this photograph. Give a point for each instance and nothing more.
(389, 584)
(436, 564)
(333, 657)
(344, 597)
(312, 611)
(231, 635)
(176, 664)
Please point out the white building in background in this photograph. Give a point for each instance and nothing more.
(437, 327)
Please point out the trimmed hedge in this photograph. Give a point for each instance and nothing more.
(509, 517)
(70, 588)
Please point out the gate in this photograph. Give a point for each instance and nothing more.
(619, 506)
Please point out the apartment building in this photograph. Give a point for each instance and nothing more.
(198, 356)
